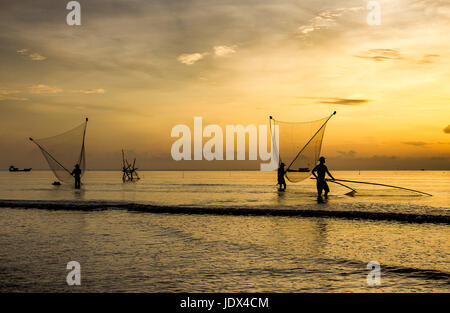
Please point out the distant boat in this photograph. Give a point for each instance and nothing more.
(300, 170)
(12, 168)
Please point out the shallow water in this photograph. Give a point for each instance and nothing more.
(125, 251)
(240, 189)
(139, 252)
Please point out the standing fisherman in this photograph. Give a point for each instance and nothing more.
(77, 174)
(281, 181)
(321, 169)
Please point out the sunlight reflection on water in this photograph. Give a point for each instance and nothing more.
(130, 251)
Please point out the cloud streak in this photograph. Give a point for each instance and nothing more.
(223, 51)
(90, 91)
(347, 154)
(32, 56)
(428, 58)
(22, 51)
(415, 143)
(218, 51)
(36, 57)
(192, 58)
(325, 19)
(44, 89)
(6, 94)
(340, 101)
(380, 55)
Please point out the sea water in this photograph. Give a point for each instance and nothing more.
(129, 251)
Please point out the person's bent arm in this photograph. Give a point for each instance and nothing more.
(329, 174)
(314, 172)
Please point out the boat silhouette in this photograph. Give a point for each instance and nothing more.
(12, 168)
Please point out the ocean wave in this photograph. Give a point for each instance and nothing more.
(237, 211)
(399, 270)
(418, 273)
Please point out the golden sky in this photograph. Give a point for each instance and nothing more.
(137, 68)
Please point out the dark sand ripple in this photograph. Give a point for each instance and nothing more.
(237, 211)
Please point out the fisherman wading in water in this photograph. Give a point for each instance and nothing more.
(321, 169)
(281, 181)
(77, 174)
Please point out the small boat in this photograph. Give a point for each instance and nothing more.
(12, 168)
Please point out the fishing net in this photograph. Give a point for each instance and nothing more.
(299, 146)
(63, 151)
(129, 169)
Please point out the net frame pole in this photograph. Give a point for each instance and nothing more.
(273, 140)
(40, 147)
(384, 185)
(304, 147)
(338, 183)
(82, 143)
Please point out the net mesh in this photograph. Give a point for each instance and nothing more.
(63, 151)
(299, 146)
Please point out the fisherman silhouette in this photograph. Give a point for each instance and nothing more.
(281, 181)
(77, 174)
(321, 169)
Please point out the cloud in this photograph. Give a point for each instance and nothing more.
(415, 143)
(22, 51)
(347, 154)
(380, 55)
(325, 19)
(222, 51)
(32, 56)
(44, 89)
(36, 57)
(385, 162)
(447, 129)
(342, 101)
(7, 94)
(91, 91)
(428, 58)
(192, 58)
(392, 54)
